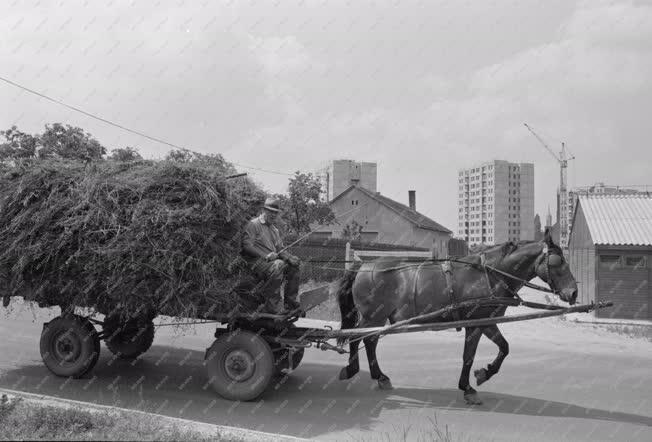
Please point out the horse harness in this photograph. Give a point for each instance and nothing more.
(523, 283)
(447, 270)
(446, 267)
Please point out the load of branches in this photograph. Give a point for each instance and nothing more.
(155, 236)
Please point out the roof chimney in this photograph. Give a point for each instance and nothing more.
(412, 197)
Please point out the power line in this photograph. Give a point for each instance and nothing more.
(119, 126)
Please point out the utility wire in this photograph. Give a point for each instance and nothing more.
(119, 126)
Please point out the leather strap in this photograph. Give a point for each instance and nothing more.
(447, 270)
(416, 281)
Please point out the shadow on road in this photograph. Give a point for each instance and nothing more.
(508, 404)
(309, 403)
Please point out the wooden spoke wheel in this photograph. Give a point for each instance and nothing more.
(240, 365)
(70, 346)
(129, 339)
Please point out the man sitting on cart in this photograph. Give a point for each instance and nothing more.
(269, 263)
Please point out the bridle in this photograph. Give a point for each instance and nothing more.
(545, 255)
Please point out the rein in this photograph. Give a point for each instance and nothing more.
(521, 280)
(483, 267)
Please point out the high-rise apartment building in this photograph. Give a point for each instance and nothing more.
(496, 202)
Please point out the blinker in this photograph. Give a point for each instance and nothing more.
(554, 260)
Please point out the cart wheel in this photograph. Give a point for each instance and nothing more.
(283, 364)
(240, 365)
(128, 340)
(70, 346)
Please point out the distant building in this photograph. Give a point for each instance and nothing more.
(496, 202)
(610, 253)
(343, 174)
(354, 199)
(386, 221)
(554, 227)
(548, 218)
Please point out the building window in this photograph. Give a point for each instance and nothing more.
(635, 262)
(610, 262)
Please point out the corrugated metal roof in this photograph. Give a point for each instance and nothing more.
(618, 219)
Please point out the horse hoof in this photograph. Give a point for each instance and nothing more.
(385, 384)
(481, 376)
(472, 399)
(346, 374)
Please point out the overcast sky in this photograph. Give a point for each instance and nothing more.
(422, 87)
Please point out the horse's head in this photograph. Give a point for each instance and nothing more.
(552, 268)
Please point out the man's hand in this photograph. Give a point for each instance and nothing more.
(271, 256)
(293, 261)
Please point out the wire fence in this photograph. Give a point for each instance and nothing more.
(329, 255)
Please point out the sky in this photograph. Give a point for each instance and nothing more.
(423, 88)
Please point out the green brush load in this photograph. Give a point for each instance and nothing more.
(161, 237)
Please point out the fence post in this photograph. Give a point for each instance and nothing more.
(347, 256)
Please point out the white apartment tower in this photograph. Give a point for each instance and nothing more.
(496, 202)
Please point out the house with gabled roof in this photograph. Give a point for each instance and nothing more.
(385, 220)
(610, 253)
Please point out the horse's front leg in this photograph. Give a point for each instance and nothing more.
(370, 344)
(473, 335)
(354, 365)
(484, 374)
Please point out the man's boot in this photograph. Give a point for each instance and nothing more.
(291, 290)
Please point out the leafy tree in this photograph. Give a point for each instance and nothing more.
(352, 231)
(18, 145)
(126, 154)
(303, 205)
(70, 143)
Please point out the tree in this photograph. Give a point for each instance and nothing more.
(538, 234)
(352, 231)
(70, 143)
(126, 154)
(303, 205)
(18, 145)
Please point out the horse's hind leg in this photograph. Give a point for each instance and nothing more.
(370, 345)
(473, 335)
(484, 374)
(354, 365)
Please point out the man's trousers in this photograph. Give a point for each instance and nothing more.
(270, 276)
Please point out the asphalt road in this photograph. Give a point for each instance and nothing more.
(562, 381)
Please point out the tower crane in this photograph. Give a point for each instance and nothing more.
(563, 160)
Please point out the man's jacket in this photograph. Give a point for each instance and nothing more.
(259, 239)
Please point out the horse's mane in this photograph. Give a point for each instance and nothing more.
(498, 251)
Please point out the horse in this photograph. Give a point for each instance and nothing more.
(372, 293)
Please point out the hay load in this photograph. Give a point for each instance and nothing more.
(143, 236)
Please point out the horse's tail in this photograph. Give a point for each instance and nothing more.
(344, 292)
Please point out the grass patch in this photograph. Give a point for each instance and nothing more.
(631, 331)
(24, 420)
(403, 433)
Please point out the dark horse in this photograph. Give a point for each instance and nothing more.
(387, 289)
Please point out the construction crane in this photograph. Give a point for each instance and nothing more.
(563, 160)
